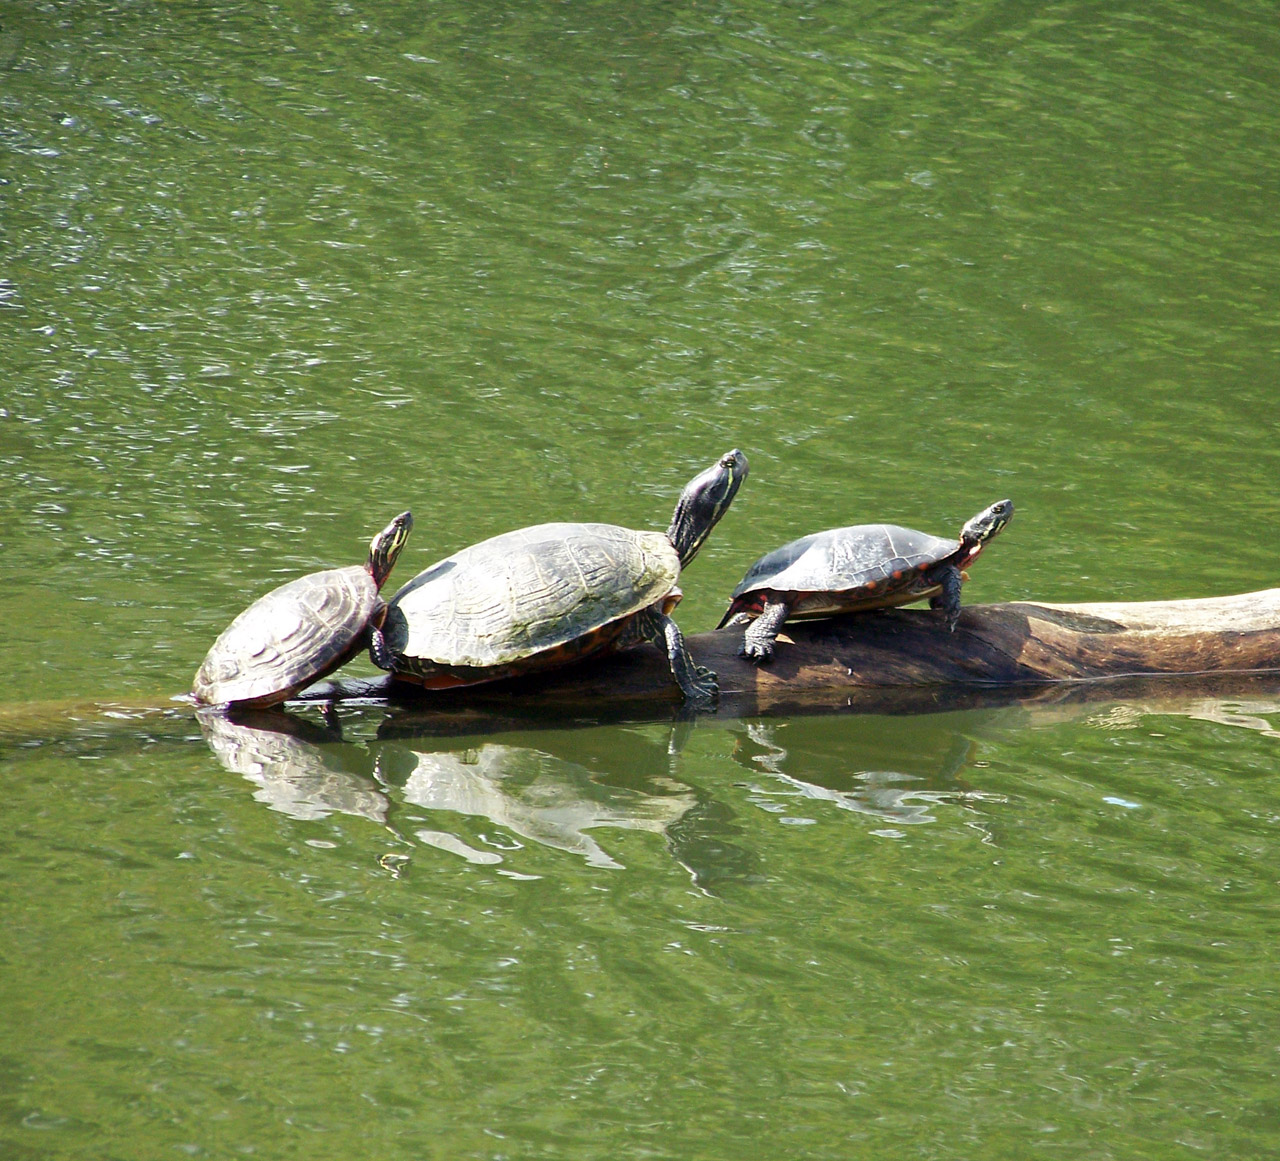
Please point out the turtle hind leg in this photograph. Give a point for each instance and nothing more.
(758, 640)
(948, 576)
(699, 684)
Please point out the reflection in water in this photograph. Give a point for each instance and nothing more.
(306, 771)
(1244, 713)
(899, 796)
(531, 794)
(566, 784)
(1229, 713)
(301, 769)
(901, 769)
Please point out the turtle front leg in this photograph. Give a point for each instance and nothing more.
(758, 640)
(948, 576)
(380, 653)
(698, 683)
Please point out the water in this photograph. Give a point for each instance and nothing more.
(274, 273)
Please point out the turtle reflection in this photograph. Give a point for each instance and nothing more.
(901, 771)
(300, 768)
(529, 794)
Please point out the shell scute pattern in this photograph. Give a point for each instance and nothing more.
(848, 561)
(288, 636)
(528, 592)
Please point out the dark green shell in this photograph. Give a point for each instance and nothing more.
(862, 560)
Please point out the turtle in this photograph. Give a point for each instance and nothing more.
(301, 631)
(864, 566)
(541, 597)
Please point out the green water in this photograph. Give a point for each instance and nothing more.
(270, 273)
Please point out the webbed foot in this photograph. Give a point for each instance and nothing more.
(758, 641)
(703, 688)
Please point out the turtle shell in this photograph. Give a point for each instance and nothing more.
(862, 566)
(289, 638)
(503, 605)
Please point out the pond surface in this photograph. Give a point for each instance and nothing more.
(274, 272)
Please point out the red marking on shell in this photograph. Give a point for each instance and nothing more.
(437, 681)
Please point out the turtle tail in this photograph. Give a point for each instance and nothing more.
(729, 613)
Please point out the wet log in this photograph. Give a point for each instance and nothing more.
(1042, 656)
(904, 658)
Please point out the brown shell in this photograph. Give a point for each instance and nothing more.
(289, 638)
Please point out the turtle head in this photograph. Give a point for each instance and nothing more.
(985, 525)
(704, 500)
(386, 546)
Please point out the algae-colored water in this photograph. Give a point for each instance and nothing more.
(272, 273)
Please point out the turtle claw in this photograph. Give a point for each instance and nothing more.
(704, 689)
(759, 652)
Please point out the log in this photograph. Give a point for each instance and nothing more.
(898, 660)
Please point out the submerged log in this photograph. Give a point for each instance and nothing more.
(904, 658)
